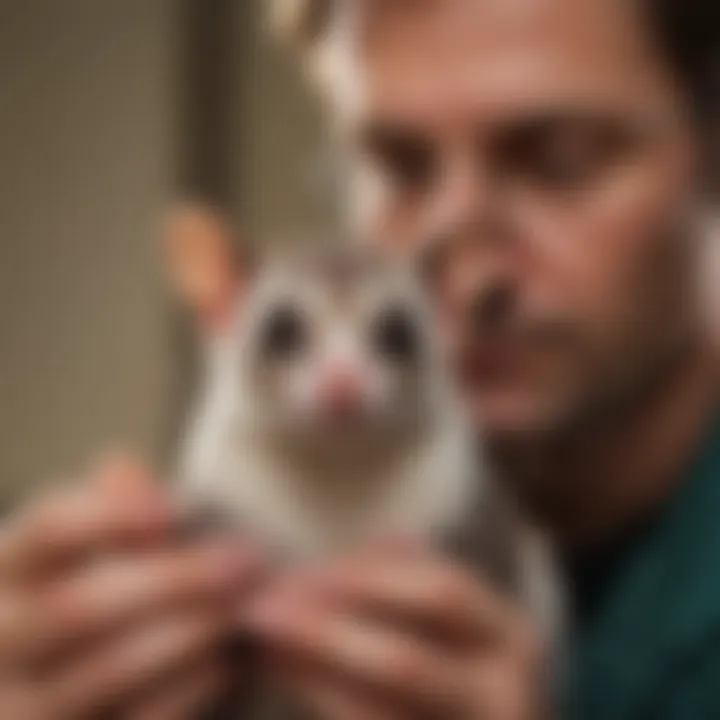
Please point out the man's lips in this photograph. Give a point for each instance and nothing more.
(491, 361)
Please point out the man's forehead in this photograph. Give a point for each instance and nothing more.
(397, 20)
(420, 56)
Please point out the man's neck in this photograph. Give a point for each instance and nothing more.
(589, 488)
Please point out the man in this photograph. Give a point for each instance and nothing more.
(551, 153)
(555, 155)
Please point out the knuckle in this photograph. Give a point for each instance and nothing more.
(179, 576)
(63, 612)
(167, 579)
(210, 673)
(177, 590)
(56, 694)
(109, 679)
(46, 520)
(530, 649)
(115, 463)
(453, 593)
(12, 613)
(16, 622)
(183, 641)
(208, 683)
(123, 471)
(195, 571)
(537, 652)
(8, 539)
(22, 702)
(37, 524)
(405, 667)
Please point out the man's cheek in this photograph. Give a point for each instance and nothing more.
(539, 392)
(517, 409)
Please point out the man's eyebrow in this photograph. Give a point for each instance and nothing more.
(391, 130)
(568, 115)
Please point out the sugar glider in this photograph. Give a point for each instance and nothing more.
(327, 414)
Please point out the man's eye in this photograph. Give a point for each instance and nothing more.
(564, 166)
(574, 160)
(408, 161)
(284, 333)
(563, 156)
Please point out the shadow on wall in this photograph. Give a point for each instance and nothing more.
(105, 111)
(87, 143)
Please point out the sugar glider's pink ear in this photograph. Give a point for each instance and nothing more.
(204, 264)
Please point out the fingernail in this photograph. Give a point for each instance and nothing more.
(398, 543)
(152, 517)
(268, 615)
(328, 583)
(230, 565)
(299, 582)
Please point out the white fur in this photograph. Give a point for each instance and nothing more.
(224, 462)
(428, 490)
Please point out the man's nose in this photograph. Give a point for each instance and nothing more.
(469, 232)
(465, 200)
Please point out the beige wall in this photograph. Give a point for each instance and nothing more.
(86, 148)
(88, 156)
(283, 182)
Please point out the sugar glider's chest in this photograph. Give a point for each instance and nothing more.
(425, 492)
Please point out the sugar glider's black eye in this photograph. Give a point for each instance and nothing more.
(396, 334)
(284, 333)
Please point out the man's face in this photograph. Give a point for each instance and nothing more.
(539, 149)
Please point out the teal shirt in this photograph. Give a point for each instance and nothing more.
(647, 635)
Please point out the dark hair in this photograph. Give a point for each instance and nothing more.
(688, 32)
(689, 36)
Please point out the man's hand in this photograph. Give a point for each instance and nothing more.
(101, 615)
(402, 635)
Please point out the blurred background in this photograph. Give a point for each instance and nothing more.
(108, 111)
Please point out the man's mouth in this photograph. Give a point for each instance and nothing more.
(493, 356)
(485, 362)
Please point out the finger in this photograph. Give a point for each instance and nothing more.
(21, 701)
(124, 590)
(329, 700)
(82, 520)
(431, 593)
(184, 695)
(396, 545)
(379, 658)
(120, 473)
(125, 667)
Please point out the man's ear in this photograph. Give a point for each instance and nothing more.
(204, 264)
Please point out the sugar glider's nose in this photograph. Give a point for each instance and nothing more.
(341, 393)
